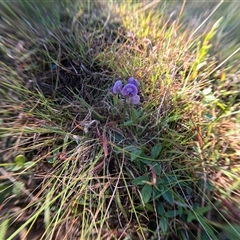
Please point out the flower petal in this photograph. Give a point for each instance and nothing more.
(129, 90)
(116, 89)
(134, 100)
(133, 81)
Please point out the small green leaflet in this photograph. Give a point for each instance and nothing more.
(168, 196)
(139, 180)
(135, 154)
(146, 193)
(20, 160)
(156, 150)
(163, 224)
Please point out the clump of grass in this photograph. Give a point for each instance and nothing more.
(78, 164)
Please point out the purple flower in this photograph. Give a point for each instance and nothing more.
(134, 100)
(116, 89)
(129, 90)
(133, 81)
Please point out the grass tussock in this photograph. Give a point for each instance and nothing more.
(81, 163)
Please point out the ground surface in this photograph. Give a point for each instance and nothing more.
(79, 162)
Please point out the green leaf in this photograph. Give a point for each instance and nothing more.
(158, 189)
(139, 180)
(196, 213)
(29, 164)
(140, 111)
(148, 207)
(160, 181)
(232, 231)
(191, 216)
(116, 137)
(129, 148)
(128, 123)
(180, 210)
(156, 150)
(135, 114)
(204, 236)
(51, 160)
(144, 207)
(168, 196)
(163, 224)
(160, 209)
(54, 158)
(209, 116)
(157, 169)
(18, 188)
(14, 168)
(135, 154)
(171, 213)
(146, 193)
(202, 210)
(20, 160)
(145, 159)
